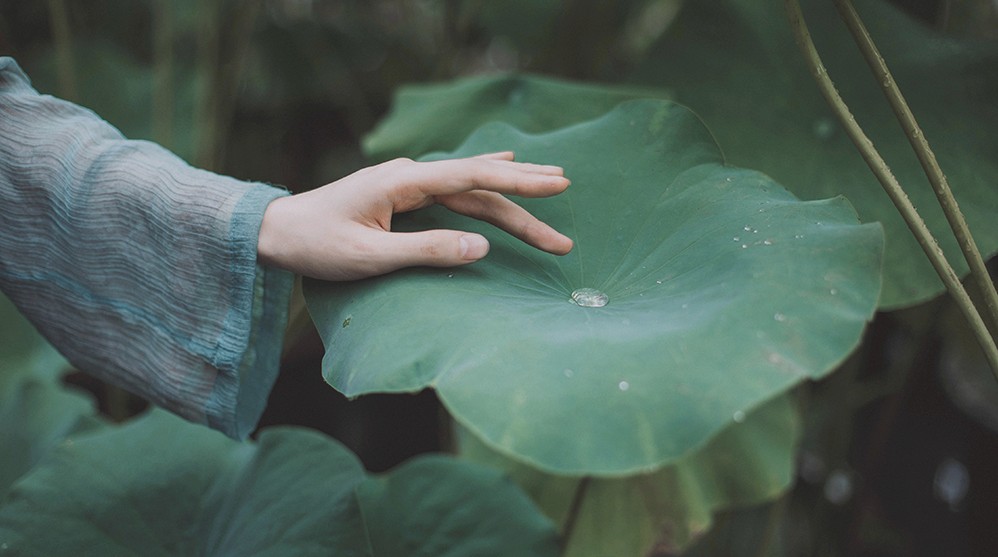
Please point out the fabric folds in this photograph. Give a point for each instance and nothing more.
(139, 268)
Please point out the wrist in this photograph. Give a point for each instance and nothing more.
(271, 247)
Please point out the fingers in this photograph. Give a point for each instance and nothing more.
(503, 213)
(433, 248)
(495, 173)
(502, 155)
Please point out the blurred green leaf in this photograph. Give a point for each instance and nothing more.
(724, 290)
(440, 116)
(747, 463)
(119, 89)
(441, 507)
(162, 486)
(36, 414)
(735, 63)
(24, 351)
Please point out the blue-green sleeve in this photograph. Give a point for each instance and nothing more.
(140, 269)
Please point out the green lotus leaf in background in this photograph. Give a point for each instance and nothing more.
(724, 291)
(438, 117)
(735, 63)
(162, 486)
(36, 412)
(442, 507)
(24, 351)
(747, 463)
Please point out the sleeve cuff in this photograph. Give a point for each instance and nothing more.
(239, 396)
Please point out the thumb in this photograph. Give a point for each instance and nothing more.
(432, 248)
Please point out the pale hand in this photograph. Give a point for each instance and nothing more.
(342, 231)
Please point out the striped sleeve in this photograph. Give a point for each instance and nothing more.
(140, 269)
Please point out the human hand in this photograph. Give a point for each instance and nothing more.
(342, 231)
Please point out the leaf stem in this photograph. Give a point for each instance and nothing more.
(891, 186)
(63, 38)
(568, 528)
(940, 185)
(162, 94)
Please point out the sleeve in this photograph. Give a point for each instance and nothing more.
(140, 269)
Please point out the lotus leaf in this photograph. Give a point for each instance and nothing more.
(748, 463)
(724, 291)
(735, 63)
(36, 414)
(438, 117)
(162, 486)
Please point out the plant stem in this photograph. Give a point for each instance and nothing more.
(891, 186)
(568, 528)
(162, 94)
(208, 47)
(66, 69)
(940, 185)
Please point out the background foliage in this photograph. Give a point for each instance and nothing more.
(896, 448)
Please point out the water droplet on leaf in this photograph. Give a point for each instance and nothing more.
(738, 416)
(779, 317)
(623, 385)
(823, 128)
(589, 298)
(569, 373)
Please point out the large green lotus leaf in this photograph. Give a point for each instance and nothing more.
(438, 117)
(161, 486)
(747, 463)
(724, 290)
(735, 63)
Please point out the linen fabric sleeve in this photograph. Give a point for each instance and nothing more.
(140, 269)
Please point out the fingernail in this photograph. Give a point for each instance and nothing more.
(473, 246)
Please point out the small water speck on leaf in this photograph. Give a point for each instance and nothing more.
(823, 128)
(623, 385)
(738, 416)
